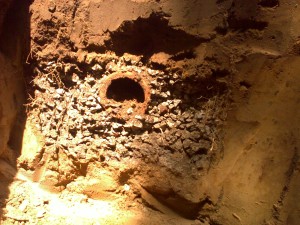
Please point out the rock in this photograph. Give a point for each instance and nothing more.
(56, 96)
(23, 205)
(192, 148)
(75, 78)
(129, 111)
(163, 95)
(170, 123)
(86, 133)
(199, 115)
(152, 72)
(60, 91)
(154, 83)
(175, 76)
(195, 136)
(97, 67)
(163, 109)
(205, 144)
(126, 187)
(176, 102)
(133, 59)
(112, 142)
(160, 58)
(177, 146)
(116, 126)
(59, 108)
(156, 126)
(52, 7)
(137, 124)
(187, 143)
(73, 113)
(40, 213)
(139, 117)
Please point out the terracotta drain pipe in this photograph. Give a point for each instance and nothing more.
(126, 105)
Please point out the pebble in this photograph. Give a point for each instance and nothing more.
(129, 111)
(162, 109)
(23, 205)
(137, 124)
(170, 123)
(164, 95)
(60, 91)
(116, 126)
(97, 67)
(52, 7)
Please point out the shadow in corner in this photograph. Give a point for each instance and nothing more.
(14, 48)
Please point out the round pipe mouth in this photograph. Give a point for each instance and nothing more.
(125, 89)
(128, 93)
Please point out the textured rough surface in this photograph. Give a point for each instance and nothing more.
(154, 112)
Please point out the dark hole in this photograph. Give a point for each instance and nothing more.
(146, 36)
(125, 89)
(269, 3)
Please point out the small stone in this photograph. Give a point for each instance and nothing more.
(91, 98)
(137, 124)
(112, 142)
(124, 133)
(194, 135)
(60, 91)
(164, 95)
(154, 82)
(86, 133)
(126, 187)
(97, 67)
(56, 96)
(156, 120)
(187, 143)
(23, 205)
(152, 72)
(75, 78)
(156, 126)
(52, 7)
(163, 109)
(59, 108)
(138, 117)
(176, 102)
(129, 111)
(170, 123)
(50, 104)
(40, 213)
(177, 146)
(116, 126)
(199, 115)
(175, 76)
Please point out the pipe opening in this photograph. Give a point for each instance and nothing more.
(123, 89)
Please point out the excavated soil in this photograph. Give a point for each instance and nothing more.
(149, 112)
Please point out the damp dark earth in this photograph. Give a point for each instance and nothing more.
(149, 112)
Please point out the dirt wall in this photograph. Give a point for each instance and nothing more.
(182, 112)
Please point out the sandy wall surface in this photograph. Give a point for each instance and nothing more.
(182, 112)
